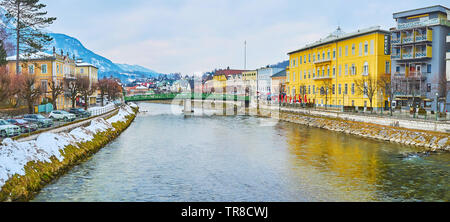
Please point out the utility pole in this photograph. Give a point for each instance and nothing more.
(245, 55)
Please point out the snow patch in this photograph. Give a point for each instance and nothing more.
(15, 155)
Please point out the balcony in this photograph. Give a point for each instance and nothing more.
(396, 57)
(420, 55)
(408, 39)
(412, 75)
(421, 38)
(395, 41)
(322, 61)
(407, 56)
(322, 77)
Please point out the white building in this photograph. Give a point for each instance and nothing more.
(264, 81)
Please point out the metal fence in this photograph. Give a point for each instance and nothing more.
(96, 111)
(203, 96)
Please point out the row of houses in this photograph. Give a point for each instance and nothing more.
(341, 69)
(55, 67)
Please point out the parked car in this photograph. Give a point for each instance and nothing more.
(8, 130)
(62, 115)
(24, 125)
(80, 112)
(40, 120)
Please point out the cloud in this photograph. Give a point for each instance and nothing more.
(192, 35)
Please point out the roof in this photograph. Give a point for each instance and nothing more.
(33, 56)
(85, 64)
(280, 74)
(338, 35)
(429, 9)
(228, 72)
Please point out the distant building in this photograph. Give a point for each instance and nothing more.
(278, 84)
(221, 77)
(418, 56)
(264, 81)
(249, 79)
(84, 69)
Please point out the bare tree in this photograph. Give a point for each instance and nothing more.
(102, 85)
(385, 85)
(5, 84)
(56, 90)
(86, 89)
(71, 90)
(367, 86)
(29, 91)
(325, 90)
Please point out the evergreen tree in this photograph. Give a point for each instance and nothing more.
(30, 21)
(2, 54)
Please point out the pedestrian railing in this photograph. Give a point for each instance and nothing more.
(96, 111)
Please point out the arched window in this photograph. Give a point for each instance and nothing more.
(366, 68)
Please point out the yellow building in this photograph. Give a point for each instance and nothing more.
(249, 79)
(46, 67)
(84, 69)
(336, 63)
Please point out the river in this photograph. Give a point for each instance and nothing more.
(164, 156)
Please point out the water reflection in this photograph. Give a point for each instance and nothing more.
(166, 157)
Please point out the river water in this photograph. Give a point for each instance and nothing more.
(164, 156)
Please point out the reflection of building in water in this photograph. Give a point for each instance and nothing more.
(346, 163)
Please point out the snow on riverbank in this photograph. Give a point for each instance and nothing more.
(15, 155)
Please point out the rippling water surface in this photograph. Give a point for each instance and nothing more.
(164, 156)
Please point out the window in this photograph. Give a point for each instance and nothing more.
(44, 69)
(346, 69)
(57, 68)
(293, 76)
(300, 60)
(323, 55)
(314, 90)
(287, 76)
(31, 69)
(318, 56)
(428, 68)
(353, 69)
(328, 71)
(340, 51)
(346, 89)
(304, 75)
(334, 53)
(372, 46)
(397, 69)
(428, 87)
(328, 54)
(346, 50)
(334, 71)
(82, 70)
(366, 48)
(353, 49)
(366, 69)
(323, 71)
(314, 57)
(293, 63)
(339, 89)
(360, 49)
(340, 70)
(388, 67)
(353, 88)
(304, 58)
(309, 89)
(309, 74)
(309, 57)
(365, 88)
(334, 89)
(44, 85)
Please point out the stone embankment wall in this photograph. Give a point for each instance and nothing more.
(432, 141)
(37, 174)
(385, 121)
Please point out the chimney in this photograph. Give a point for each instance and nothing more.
(54, 51)
(62, 53)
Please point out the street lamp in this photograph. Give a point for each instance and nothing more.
(437, 104)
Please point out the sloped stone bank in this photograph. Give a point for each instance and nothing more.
(32, 177)
(431, 141)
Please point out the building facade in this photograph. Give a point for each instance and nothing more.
(448, 57)
(418, 57)
(46, 67)
(264, 82)
(278, 84)
(329, 71)
(90, 71)
(222, 77)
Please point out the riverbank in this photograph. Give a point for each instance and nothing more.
(431, 141)
(28, 166)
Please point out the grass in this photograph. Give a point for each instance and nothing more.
(38, 174)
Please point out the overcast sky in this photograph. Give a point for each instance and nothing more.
(199, 35)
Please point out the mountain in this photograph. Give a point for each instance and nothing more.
(106, 67)
(283, 64)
